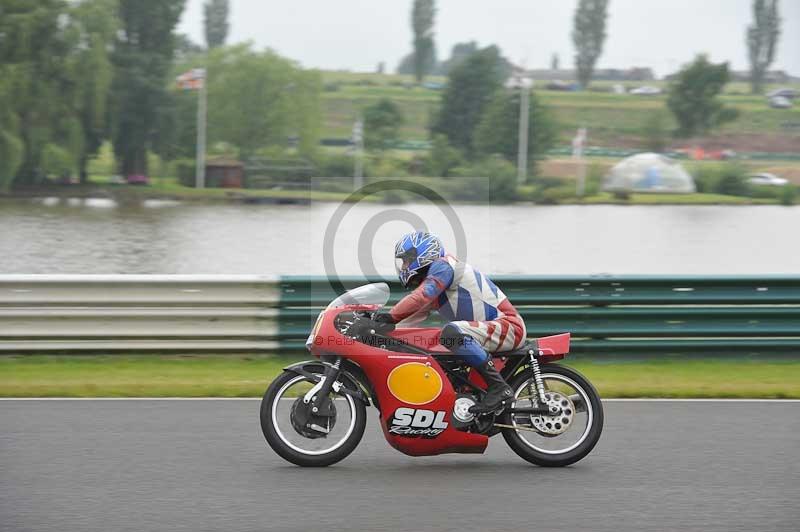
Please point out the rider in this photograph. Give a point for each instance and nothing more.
(480, 316)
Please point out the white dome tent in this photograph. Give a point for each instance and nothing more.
(649, 172)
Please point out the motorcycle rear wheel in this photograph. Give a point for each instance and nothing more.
(586, 400)
(275, 407)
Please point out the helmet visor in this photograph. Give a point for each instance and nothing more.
(402, 263)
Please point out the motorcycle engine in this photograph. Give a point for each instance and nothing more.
(462, 417)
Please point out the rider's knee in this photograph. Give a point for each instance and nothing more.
(451, 337)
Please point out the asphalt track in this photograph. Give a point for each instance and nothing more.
(144, 465)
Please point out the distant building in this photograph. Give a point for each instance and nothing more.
(602, 74)
(773, 76)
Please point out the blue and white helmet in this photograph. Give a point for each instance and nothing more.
(414, 252)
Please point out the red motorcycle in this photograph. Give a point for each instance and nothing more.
(314, 413)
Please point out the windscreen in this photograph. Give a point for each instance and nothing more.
(368, 294)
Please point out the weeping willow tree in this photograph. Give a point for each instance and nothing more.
(54, 81)
(93, 28)
(143, 51)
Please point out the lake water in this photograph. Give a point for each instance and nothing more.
(99, 236)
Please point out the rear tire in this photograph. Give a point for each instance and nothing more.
(359, 411)
(525, 451)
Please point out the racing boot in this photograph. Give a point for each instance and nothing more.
(497, 390)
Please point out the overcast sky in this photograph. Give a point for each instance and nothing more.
(357, 34)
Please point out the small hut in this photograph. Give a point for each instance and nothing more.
(224, 173)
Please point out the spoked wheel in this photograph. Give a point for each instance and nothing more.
(561, 439)
(303, 438)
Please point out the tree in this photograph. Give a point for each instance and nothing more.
(589, 34)
(93, 27)
(498, 129)
(554, 63)
(762, 40)
(460, 52)
(693, 97)
(422, 19)
(382, 121)
(470, 87)
(216, 22)
(186, 49)
(256, 100)
(442, 158)
(142, 58)
(38, 97)
(406, 64)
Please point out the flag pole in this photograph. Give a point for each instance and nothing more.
(202, 105)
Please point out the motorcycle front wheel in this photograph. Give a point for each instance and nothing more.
(284, 422)
(561, 439)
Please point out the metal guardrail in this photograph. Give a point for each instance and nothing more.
(138, 312)
(606, 314)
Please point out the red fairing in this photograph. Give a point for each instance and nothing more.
(554, 347)
(416, 415)
(378, 364)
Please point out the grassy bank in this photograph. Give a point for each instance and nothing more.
(612, 119)
(169, 189)
(248, 376)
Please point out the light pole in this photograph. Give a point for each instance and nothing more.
(578, 144)
(358, 144)
(524, 115)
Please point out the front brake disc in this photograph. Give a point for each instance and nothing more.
(310, 425)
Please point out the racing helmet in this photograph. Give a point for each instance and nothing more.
(415, 252)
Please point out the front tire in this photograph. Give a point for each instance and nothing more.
(278, 437)
(585, 441)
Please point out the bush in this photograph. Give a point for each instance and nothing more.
(185, 170)
(594, 179)
(728, 178)
(56, 161)
(501, 184)
(11, 151)
(335, 165)
(443, 158)
(704, 176)
(552, 190)
(788, 194)
(732, 180)
(103, 163)
(555, 195)
(388, 167)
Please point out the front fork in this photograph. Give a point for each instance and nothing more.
(318, 394)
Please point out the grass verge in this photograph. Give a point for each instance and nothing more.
(248, 376)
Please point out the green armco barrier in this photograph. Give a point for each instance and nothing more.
(613, 314)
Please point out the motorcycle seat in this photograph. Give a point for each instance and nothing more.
(523, 350)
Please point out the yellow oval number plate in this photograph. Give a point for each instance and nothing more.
(415, 383)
